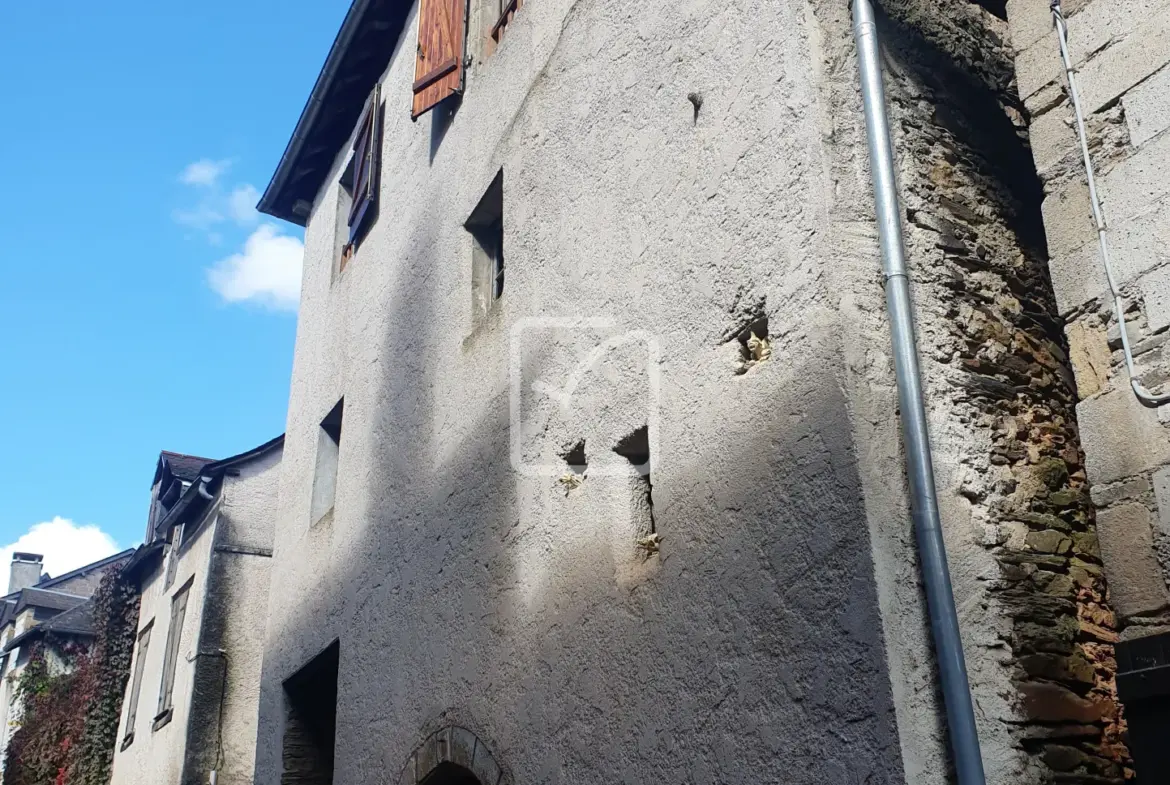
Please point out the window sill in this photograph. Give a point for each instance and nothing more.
(126, 742)
(162, 719)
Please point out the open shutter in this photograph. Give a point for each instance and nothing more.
(438, 67)
(367, 148)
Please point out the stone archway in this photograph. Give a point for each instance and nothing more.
(452, 756)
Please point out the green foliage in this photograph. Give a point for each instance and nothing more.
(71, 708)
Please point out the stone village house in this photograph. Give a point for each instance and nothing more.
(39, 608)
(634, 511)
(189, 711)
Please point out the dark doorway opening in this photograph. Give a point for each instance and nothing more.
(450, 774)
(310, 725)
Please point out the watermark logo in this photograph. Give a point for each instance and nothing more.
(555, 366)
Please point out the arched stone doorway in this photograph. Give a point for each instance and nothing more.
(452, 756)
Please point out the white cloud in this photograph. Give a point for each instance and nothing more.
(267, 271)
(204, 172)
(242, 204)
(64, 544)
(203, 216)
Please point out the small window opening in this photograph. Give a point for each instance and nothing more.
(486, 226)
(310, 725)
(328, 452)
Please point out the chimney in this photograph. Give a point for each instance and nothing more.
(26, 571)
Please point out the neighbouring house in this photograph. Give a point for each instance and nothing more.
(38, 608)
(593, 470)
(189, 711)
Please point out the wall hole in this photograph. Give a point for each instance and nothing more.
(755, 345)
(575, 457)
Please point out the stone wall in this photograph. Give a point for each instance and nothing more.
(1001, 391)
(1120, 49)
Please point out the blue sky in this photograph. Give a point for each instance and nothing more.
(145, 305)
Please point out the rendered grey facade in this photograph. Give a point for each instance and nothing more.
(592, 469)
(189, 711)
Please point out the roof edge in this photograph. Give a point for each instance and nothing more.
(349, 28)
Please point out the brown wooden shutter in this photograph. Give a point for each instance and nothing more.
(438, 66)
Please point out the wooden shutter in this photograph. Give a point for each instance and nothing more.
(438, 67)
(367, 148)
(136, 686)
(174, 639)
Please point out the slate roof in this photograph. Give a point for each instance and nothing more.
(76, 622)
(185, 467)
(35, 597)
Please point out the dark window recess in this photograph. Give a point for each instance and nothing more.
(332, 422)
(360, 178)
(311, 721)
(1143, 685)
(486, 225)
(448, 773)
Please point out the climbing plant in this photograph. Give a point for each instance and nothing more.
(72, 697)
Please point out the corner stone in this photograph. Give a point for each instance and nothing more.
(1136, 584)
(1121, 437)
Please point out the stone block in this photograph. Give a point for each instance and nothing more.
(1147, 108)
(1068, 218)
(1031, 20)
(1088, 351)
(1138, 184)
(1132, 488)
(1155, 287)
(1120, 436)
(1093, 31)
(1052, 137)
(1162, 494)
(1047, 702)
(1143, 49)
(1077, 277)
(1136, 585)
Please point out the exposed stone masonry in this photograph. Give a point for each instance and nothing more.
(996, 352)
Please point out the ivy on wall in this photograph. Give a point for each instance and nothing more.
(72, 697)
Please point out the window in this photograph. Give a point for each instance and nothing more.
(174, 638)
(358, 199)
(486, 226)
(328, 451)
(499, 14)
(311, 720)
(438, 65)
(136, 683)
(172, 565)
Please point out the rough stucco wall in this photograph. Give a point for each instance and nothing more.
(158, 756)
(751, 644)
(1121, 49)
(224, 737)
(249, 502)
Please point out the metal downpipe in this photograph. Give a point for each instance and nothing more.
(944, 620)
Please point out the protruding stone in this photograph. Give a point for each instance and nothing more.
(1121, 437)
(1047, 702)
(1135, 580)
